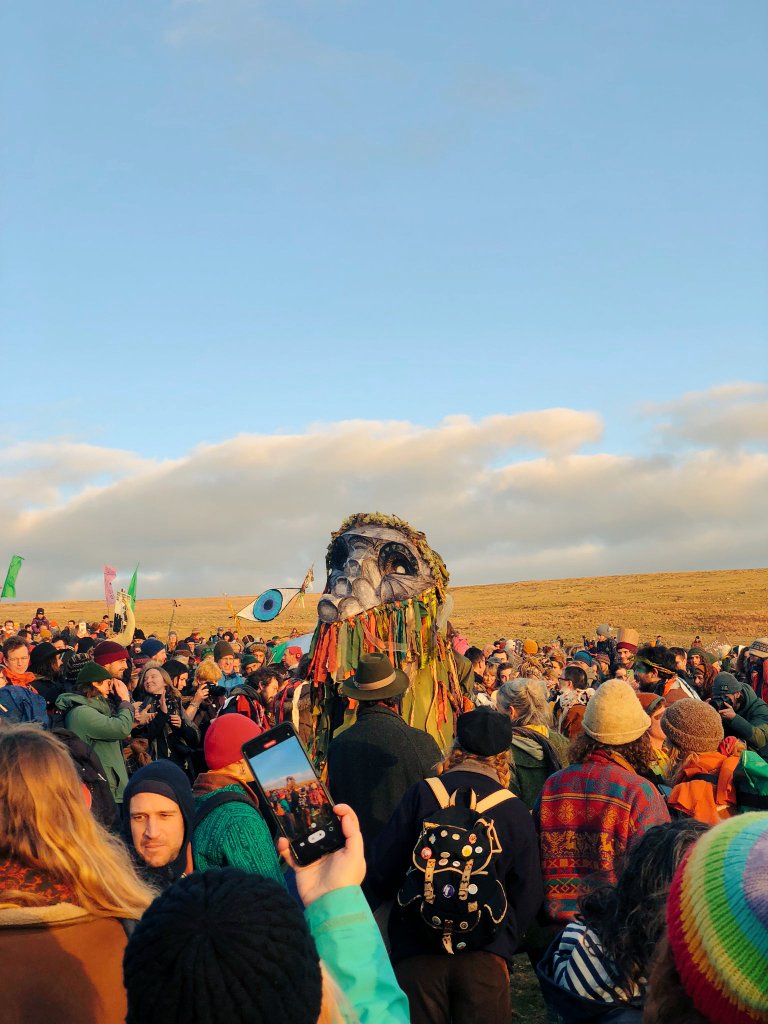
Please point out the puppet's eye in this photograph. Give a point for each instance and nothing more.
(396, 560)
(339, 553)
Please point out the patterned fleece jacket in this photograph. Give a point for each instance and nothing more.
(586, 817)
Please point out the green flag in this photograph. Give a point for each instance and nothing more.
(9, 587)
(132, 589)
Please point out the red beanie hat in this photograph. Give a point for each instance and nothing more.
(224, 739)
(108, 651)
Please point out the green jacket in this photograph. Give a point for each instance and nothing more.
(92, 719)
(234, 835)
(530, 762)
(751, 722)
(350, 945)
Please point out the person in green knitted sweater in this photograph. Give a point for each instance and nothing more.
(229, 828)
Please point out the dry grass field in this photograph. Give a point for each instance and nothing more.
(727, 606)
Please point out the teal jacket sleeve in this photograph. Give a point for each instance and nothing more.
(350, 944)
(104, 727)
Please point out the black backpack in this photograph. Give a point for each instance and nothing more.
(452, 890)
(91, 772)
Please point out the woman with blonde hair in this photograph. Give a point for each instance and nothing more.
(67, 891)
(537, 750)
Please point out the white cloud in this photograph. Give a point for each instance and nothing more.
(503, 498)
(726, 416)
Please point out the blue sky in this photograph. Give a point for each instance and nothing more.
(276, 763)
(229, 216)
(233, 217)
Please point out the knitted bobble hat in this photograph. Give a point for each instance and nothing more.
(108, 651)
(223, 947)
(72, 668)
(693, 726)
(717, 920)
(614, 715)
(225, 738)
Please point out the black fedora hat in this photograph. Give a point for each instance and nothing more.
(375, 679)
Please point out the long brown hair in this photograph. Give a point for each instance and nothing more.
(457, 755)
(45, 824)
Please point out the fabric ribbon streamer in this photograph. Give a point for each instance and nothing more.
(406, 631)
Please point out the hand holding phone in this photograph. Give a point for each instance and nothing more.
(339, 869)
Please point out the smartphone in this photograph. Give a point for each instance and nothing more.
(296, 798)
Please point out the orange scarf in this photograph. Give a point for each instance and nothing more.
(19, 678)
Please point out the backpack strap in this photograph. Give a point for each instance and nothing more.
(725, 787)
(494, 800)
(471, 798)
(217, 800)
(439, 791)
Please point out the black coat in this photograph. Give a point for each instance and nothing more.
(371, 765)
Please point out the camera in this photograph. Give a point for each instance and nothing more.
(718, 703)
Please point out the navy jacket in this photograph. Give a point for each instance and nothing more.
(519, 864)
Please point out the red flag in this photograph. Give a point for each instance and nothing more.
(109, 574)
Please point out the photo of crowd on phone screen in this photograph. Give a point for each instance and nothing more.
(297, 799)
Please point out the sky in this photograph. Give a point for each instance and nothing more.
(274, 765)
(498, 268)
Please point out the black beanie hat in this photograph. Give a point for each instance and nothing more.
(222, 947)
(484, 732)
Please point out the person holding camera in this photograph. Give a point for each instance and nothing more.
(744, 715)
(171, 733)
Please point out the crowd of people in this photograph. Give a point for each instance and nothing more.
(601, 809)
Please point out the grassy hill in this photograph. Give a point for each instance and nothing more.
(725, 606)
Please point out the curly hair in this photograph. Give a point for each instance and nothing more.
(629, 918)
(457, 755)
(666, 999)
(639, 753)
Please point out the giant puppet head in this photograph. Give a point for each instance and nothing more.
(373, 560)
(385, 591)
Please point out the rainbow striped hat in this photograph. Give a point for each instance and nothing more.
(717, 918)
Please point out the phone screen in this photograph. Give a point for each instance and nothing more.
(297, 799)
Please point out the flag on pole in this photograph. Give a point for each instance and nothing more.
(9, 587)
(132, 589)
(109, 574)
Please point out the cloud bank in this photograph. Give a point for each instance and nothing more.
(518, 496)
